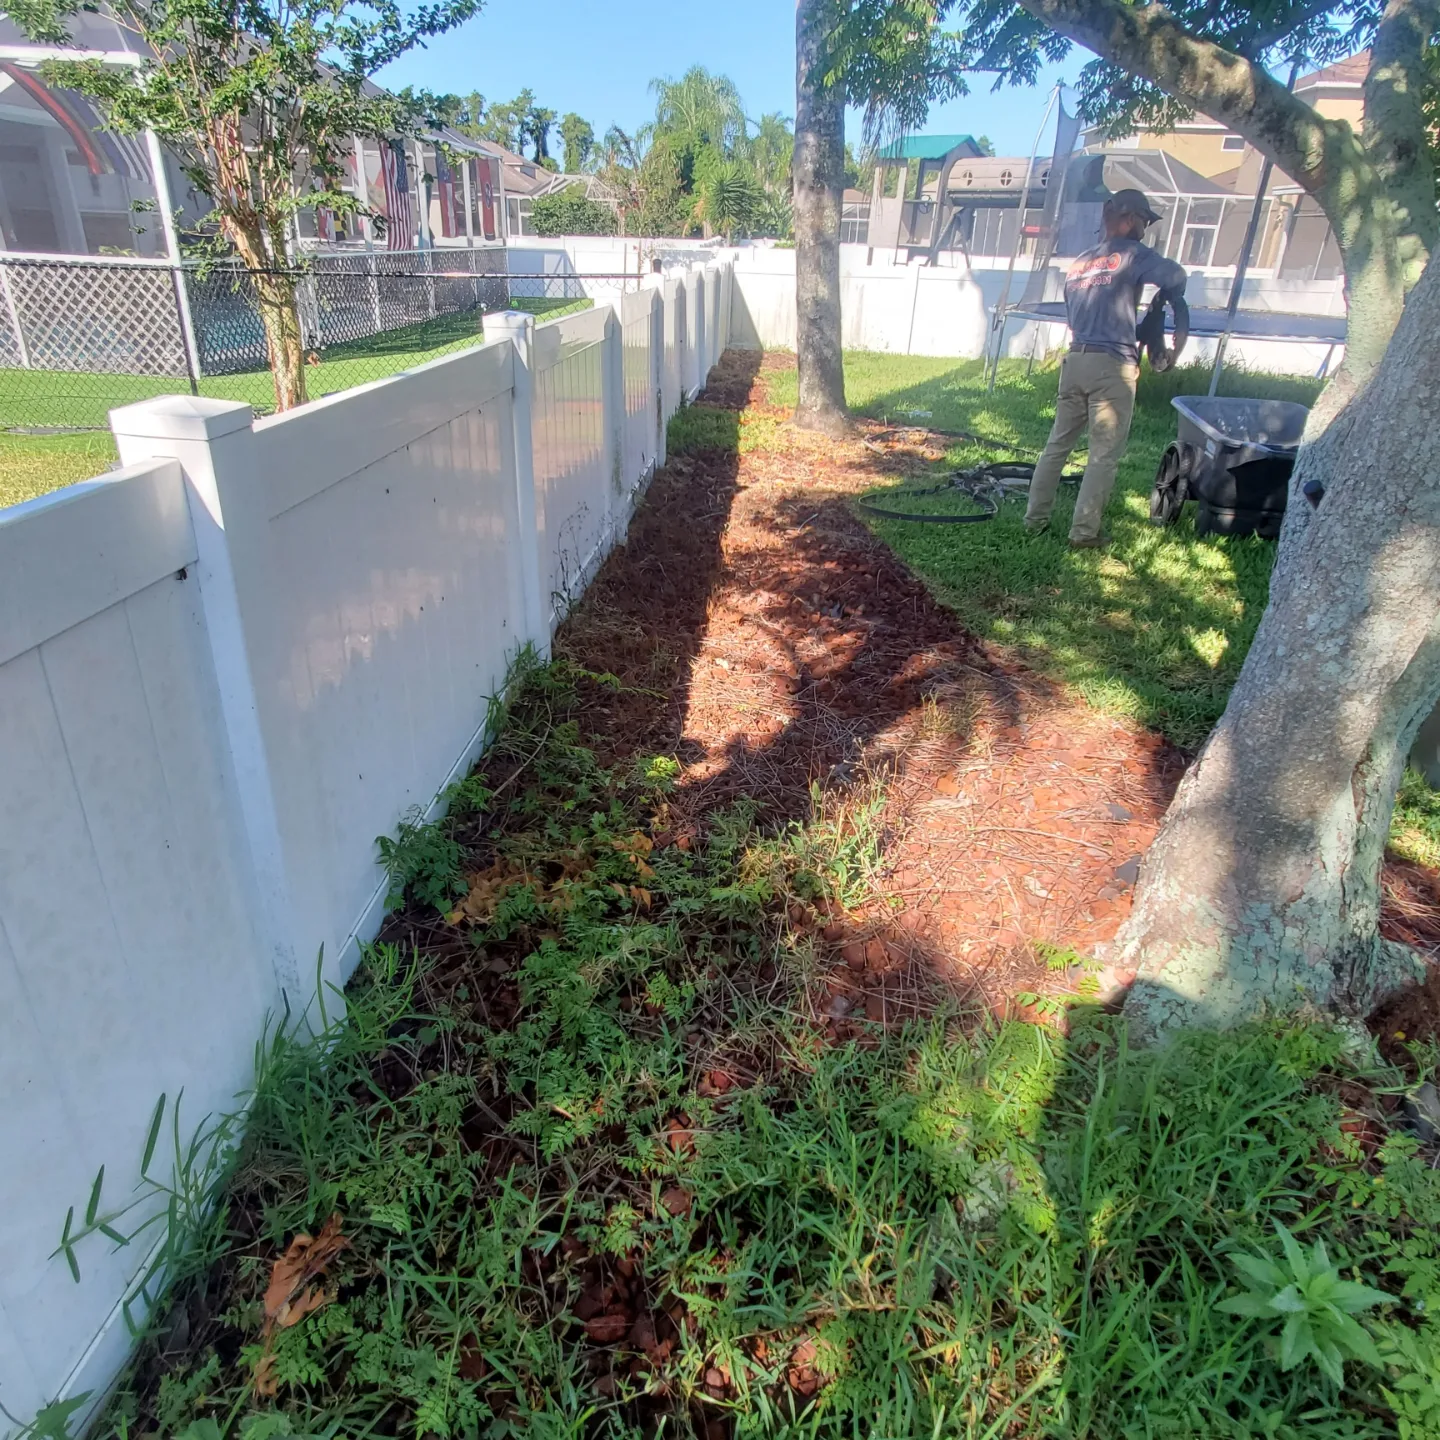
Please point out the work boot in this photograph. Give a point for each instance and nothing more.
(1090, 542)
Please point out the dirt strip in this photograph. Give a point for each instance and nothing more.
(767, 638)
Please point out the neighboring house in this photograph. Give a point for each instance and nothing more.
(526, 181)
(1294, 238)
(70, 186)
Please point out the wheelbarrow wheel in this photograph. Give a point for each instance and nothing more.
(1168, 497)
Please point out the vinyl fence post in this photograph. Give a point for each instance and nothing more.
(612, 386)
(699, 329)
(657, 369)
(214, 442)
(518, 328)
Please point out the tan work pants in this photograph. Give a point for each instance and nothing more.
(1096, 390)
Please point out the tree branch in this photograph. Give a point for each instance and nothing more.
(1394, 129)
(1148, 41)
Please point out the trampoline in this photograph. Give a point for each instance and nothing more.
(1211, 324)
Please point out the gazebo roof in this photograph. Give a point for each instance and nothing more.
(926, 147)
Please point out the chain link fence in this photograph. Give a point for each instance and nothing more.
(79, 337)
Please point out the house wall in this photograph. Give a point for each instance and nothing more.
(224, 670)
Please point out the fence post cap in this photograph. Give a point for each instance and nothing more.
(508, 319)
(181, 417)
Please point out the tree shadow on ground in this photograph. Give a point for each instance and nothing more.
(792, 662)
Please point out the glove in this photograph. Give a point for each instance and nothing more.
(1150, 332)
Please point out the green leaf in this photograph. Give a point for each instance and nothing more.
(93, 1208)
(1251, 1306)
(153, 1137)
(53, 1422)
(1299, 1267)
(1353, 1297)
(1296, 1342)
(1263, 1273)
(72, 1262)
(1289, 1301)
(1357, 1340)
(111, 1233)
(1331, 1361)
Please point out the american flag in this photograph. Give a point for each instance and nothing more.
(399, 218)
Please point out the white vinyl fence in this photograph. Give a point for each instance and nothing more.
(225, 669)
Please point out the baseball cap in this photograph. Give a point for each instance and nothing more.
(1131, 202)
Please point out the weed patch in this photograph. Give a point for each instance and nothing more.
(600, 1167)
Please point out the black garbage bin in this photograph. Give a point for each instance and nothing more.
(1233, 458)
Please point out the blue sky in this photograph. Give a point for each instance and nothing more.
(597, 57)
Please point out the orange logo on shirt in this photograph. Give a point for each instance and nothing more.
(1097, 270)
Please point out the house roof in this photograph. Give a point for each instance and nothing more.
(1349, 73)
(927, 147)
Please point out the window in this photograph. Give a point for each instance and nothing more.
(1006, 177)
(1233, 142)
(1199, 241)
(854, 224)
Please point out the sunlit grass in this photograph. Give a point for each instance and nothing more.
(32, 465)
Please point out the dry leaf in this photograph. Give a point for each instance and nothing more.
(304, 1260)
(679, 1136)
(677, 1200)
(291, 1296)
(265, 1383)
(607, 1329)
(486, 889)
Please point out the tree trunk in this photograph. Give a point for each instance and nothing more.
(1263, 887)
(279, 313)
(819, 182)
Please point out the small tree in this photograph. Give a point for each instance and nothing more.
(259, 100)
(643, 174)
(577, 136)
(535, 126)
(728, 198)
(571, 213)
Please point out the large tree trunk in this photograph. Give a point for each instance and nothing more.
(819, 180)
(279, 314)
(1263, 887)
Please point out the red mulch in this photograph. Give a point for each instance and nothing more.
(781, 645)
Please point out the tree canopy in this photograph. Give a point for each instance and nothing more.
(258, 100)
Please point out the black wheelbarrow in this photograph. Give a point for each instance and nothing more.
(1233, 458)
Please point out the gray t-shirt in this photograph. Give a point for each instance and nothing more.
(1102, 292)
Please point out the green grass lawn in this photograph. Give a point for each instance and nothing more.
(32, 465)
(1157, 626)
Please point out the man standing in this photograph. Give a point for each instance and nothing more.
(1097, 377)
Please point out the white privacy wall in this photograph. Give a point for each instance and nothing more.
(946, 310)
(224, 670)
(130, 965)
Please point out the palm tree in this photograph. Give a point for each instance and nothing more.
(700, 107)
(728, 198)
(771, 149)
(774, 215)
